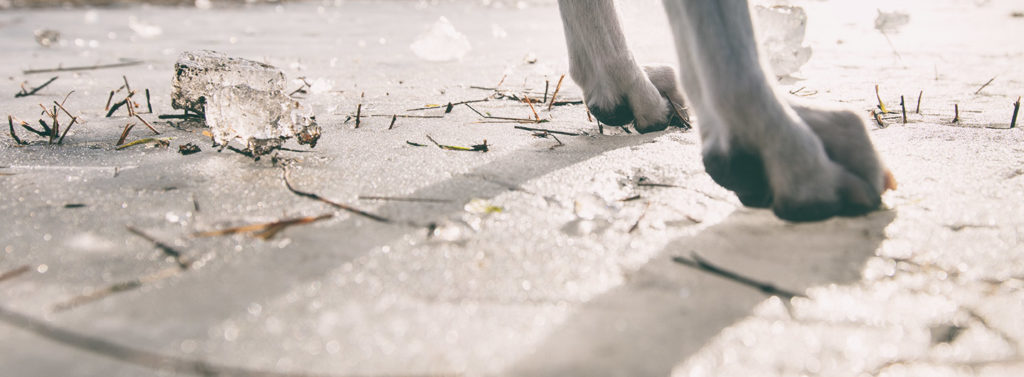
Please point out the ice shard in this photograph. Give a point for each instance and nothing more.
(781, 29)
(242, 100)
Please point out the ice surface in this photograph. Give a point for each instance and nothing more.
(781, 29)
(241, 99)
(441, 43)
(199, 73)
(261, 119)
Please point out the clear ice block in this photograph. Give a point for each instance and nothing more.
(441, 43)
(242, 100)
(198, 73)
(260, 119)
(781, 30)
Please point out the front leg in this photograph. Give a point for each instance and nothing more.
(617, 90)
(806, 164)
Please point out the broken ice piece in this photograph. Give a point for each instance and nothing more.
(144, 29)
(781, 29)
(441, 43)
(260, 119)
(891, 22)
(47, 37)
(197, 74)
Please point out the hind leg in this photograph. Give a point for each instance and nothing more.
(615, 88)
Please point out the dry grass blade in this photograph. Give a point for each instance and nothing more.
(402, 199)
(15, 272)
(555, 94)
(983, 86)
(124, 134)
(147, 124)
(10, 122)
(341, 206)
(26, 93)
(566, 133)
(119, 287)
(881, 105)
(1013, 121)
(82, 68)
(529, 102)
(264, 231)
(168, 250)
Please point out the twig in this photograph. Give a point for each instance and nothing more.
(126, 86)
(956, 113)
(878, 119)
(149, 105)
(475, 148)
(147, 124)
(10, 122)
(904, 108)
(528, 102)
(111, 98)
(264, 231)
(1013, 121)
(546, 84)
(881, 105)
(359, 111)
(401, 199)
(179, 116)
(555, 94)
(976, 92)
(117, 288)
(695, 261)
(15, 272)
(636, 225)
(124, 134)
(116, 106)
(526, 120)
(331, 203)
(684, 119)
(453, 104)
(72, 123)
(394, 118)
(919, 95)
(169, 251)
(524, 128)
(82, 68)
(405, 116)
(27, 93)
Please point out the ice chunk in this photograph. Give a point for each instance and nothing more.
(198, 73)
(781, 30)
(144, 29)
(260, 119)
(242, 100)
(441, 43)
(891, 22)
(47, 37)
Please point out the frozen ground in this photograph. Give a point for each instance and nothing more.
(568, 278)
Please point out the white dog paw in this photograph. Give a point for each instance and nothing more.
(849, 183)
(652, 100)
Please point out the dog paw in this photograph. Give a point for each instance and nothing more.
(849, 182)
(652, 100)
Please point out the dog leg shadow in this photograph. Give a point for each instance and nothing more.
(667, 311)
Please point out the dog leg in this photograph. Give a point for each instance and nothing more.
(616, 89)
(805, 163)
